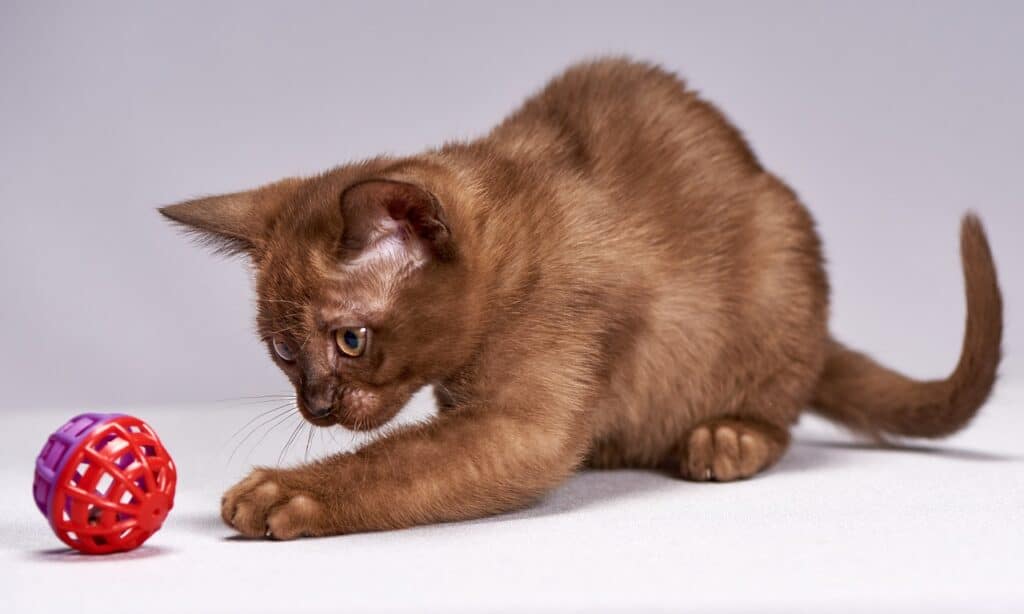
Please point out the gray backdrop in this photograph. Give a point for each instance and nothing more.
(890, 119)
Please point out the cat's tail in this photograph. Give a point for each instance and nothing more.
(864, 396)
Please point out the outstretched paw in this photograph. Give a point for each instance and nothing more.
(729, 450)
(266, 504)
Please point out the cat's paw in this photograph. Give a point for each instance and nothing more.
(729, 450)
(266, 504)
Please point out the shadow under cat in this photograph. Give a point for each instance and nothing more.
(591, 488)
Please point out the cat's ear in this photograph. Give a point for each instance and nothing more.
(227, 222)
(390, 217)
(231, 223)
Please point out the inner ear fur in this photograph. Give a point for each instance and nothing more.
(381, 209)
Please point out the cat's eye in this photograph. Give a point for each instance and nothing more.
(351, 341)
(284, 350)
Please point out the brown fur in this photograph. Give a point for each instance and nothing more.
(608, 278)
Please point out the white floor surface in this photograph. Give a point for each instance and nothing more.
(835, 527)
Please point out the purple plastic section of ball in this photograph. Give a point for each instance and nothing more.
(55, 454)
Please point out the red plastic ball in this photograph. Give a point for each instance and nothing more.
(105, 482)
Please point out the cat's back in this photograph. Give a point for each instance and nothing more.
(650, 154)
(618, 118)
(623, 148)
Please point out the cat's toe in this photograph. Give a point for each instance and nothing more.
(728, 450)
(696, 462)
(297, 518)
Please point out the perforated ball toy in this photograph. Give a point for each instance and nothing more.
(105, 483)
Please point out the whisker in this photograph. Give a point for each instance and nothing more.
(288, 444)
(281, 300)
(285, 399)
(309, 336)
(282, 398)
(309, 442)
(255, 396)
(267, 434)
(279, 408)
(288, 315)
(256, 428)
(286, 329)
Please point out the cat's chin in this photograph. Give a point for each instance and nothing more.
(352, 423)
(365, 424)
(357, 420)
(360, 409)
(365, 410)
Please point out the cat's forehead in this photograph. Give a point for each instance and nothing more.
(326, 289)
(304, 262)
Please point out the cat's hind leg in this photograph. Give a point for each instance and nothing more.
(727, 449)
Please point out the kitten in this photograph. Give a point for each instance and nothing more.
(608, 279)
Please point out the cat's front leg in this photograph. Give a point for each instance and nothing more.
(468, 463)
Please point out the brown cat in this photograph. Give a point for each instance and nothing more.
(609, 278)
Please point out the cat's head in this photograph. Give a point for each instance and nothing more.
(362, 293)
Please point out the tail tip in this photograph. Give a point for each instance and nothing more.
(973, 239)
(971, 224)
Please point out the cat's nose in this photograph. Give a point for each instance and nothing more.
(319, 412)
(318, 405)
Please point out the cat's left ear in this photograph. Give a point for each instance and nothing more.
(232, 223)
(385, 216)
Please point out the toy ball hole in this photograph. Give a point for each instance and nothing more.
(102, 443)
(80, 472)
(126, 459)
(95, 514)
(126, 498)
(72, 535)
(149, 450)
(100, 540)
(134, 429)
(104, 484)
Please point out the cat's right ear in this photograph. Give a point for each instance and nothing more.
(230, 223)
